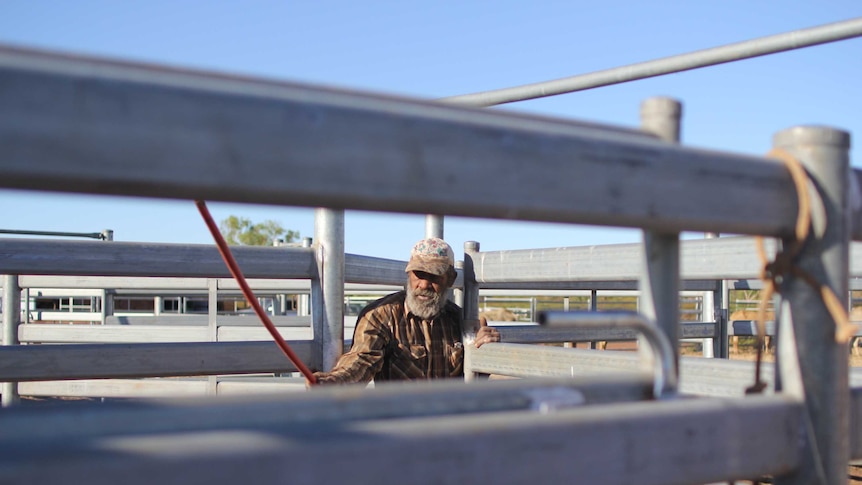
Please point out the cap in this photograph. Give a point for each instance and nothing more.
(432, 255)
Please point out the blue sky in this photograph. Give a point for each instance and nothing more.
(444, 48)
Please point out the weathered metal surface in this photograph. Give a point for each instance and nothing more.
(313, 441)
(75, 361)
(261, 141)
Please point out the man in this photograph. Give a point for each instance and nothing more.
(412, 334)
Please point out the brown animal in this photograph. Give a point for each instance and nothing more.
(498, 315)
(855, 316)
(751, 314)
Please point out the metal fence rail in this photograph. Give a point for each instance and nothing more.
(683, 62)
(454, 425)
(277, 129)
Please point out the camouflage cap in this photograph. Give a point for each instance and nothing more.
(432, 255)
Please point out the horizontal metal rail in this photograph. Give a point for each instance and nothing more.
(709, 377)
(130, 259)
(27, 256)
(148, 266)
(386, 402)
(721, 258)
(142, 285)
(105, 361)
(252, 331)
(663, 357)
(270, 142)
(698, 376)
(89, 235)
(683, 62)
(132, 285)
(711, 381)
(183, 329)
(139, 388)
(183, 320)
(537, 334)
(258, 441)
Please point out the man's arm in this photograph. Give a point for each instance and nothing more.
(365, 358)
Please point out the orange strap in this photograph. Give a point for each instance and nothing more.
(784, 265)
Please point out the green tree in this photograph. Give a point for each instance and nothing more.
(241, 231)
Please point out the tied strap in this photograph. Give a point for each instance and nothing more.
(784, 265)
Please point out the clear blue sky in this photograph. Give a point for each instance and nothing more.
(443, 48)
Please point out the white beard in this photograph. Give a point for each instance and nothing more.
(425, 309)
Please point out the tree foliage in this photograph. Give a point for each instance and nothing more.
(241, 231)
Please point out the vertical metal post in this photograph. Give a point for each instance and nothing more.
(722, 315)
(565, 309)
(812, 364)
(11, 319)
(458, 293)
(103, 311)
(594, 307)
(212, 327)
(327, 296)
(108, 303)
(471, 304)
(533, 306)
(659, 281)
(302, 304)
(212, 308)
(707, 310)
(434, 226)
(25, 315)
(281, 301)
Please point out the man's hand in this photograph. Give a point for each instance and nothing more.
(486, 334)
(322, 378)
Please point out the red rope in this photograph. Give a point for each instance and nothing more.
(249, 295)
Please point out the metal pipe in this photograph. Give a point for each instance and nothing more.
(212, 309)
(551, 154)
(683, 62)
(91, 235)
(11, 318)
(664, 362)
(470, 305)
(328, 309)
(812, 362)
(303, 306)
(434, 226)
(458, 292)
(660, 261)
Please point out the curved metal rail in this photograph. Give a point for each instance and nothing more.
(664, 365)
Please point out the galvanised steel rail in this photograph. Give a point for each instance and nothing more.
(85, 258)
(538, 427)
(663, 359)
(725, 258)
(271, 142)
(104, 236)
(733, 258)
(762, 46)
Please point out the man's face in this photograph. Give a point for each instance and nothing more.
(426, 293)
